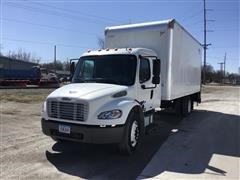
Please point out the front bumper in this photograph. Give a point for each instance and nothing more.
(84, 133)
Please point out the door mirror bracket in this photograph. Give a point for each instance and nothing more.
(156, 71)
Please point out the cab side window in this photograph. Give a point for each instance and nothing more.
(144, 71)
(87, 69)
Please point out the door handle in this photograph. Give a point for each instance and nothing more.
(144, 87)
(151, 95)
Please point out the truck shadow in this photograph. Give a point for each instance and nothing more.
(104, 162)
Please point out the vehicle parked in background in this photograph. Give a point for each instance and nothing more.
(48, 76)
(19, 76)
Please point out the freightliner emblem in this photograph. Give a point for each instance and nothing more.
(66, 99)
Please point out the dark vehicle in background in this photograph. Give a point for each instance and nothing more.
(31, 76)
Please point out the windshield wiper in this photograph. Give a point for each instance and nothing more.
(102, 80)
(97, 80)
(79, 80)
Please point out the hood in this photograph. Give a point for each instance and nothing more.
(87, 91)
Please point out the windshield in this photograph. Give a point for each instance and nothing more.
(112, 69)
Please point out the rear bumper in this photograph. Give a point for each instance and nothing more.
(84, 133)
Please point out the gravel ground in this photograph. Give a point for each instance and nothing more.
(28, 154)
(206, 144)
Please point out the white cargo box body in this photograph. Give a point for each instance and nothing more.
(179, 52)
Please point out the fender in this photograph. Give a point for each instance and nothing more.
(124, 104)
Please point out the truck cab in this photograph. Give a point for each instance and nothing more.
(111, 99)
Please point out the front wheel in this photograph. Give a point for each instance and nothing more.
(133, 135)
(59, 140)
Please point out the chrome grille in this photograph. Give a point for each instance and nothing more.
(67, 110)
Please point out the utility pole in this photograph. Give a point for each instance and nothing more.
(205, 45)
(221, 67)
(221, 70)
(205, 40)
(225, 58)
(1, 47)
(55, 59)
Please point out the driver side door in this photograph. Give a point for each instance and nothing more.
(145, 92)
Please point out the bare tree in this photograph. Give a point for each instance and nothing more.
(52, 65)
(209, 73)
(66, 65)
(101, 43)
(22, 55)
(1, 47)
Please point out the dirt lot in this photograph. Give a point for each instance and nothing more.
(28, 154)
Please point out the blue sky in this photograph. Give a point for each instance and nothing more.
(74, 26)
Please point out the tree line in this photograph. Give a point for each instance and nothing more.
(22, 55)
(211, 75)
(62, 66)
(218, 76)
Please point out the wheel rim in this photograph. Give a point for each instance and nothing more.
(134, 134)
(189, 106)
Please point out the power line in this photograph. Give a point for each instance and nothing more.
(45, 11)
(48, 26)
(192, 15)
(215, 57)
(226, 47)
(44, 43)
(227, 30)
(194, 23)
(75, 12)
(144, 2)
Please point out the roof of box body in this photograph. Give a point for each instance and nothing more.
(149, 25)
(155, 25)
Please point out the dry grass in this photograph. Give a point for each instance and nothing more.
(24, 95)
(39, 95)
(10, 112)
(23, 98)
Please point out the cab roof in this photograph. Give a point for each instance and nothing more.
(120, 51)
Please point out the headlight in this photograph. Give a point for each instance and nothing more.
(44, 107)
(113, 114)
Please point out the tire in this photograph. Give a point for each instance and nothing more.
(133, 135)
(178, 107)
(58, 140)
(187, 105)
(192, 106)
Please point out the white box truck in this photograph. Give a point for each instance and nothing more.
(115, 90)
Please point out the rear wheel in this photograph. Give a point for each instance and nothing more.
(132, 136)
(187, 106)
(192, 105)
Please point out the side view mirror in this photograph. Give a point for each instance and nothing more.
(156, 71)
(72, 68)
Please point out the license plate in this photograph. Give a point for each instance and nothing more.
(64, 129)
